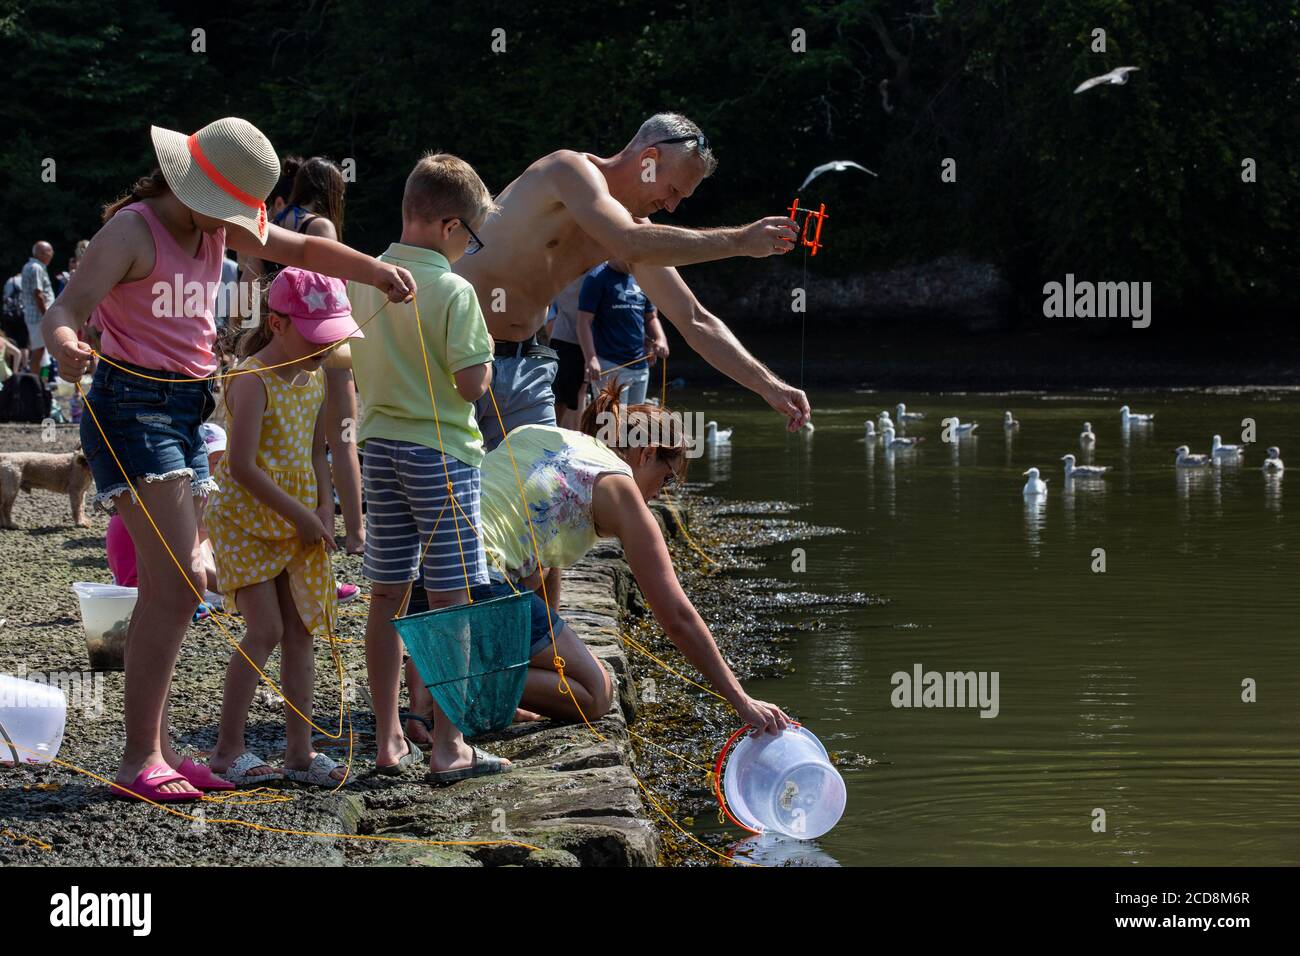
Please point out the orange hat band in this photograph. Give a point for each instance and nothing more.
(224, 184)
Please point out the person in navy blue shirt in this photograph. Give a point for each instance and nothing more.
(618, 326)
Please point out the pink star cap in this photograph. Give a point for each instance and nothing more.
(317, 305)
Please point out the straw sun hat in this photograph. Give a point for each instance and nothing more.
(225, 170)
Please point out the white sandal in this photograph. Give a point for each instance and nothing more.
(240, 775)
(317, 774)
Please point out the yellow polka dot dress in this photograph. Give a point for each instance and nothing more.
(251, 541)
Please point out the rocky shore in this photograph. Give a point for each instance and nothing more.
(572, 795)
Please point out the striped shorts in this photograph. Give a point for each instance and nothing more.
(407, 504)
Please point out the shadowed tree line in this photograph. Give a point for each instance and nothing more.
(1133, 183)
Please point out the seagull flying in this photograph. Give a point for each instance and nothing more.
(834, 166)
(1116, 77)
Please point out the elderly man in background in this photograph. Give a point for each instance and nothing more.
(37, 295)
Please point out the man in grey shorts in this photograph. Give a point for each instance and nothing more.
(569, 211)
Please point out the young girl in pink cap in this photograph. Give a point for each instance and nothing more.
(151, 277)
(272, 522)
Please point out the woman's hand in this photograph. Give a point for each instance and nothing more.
(311, 529)
(762, 716)
(393, 281)
(72, 354)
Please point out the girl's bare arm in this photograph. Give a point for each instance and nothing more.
(121, 251)
(325, 256)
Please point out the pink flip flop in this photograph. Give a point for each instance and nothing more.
(202, 776)
(146, 784)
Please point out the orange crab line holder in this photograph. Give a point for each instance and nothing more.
(815, 241)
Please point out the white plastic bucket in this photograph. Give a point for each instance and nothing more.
(784, 783)
(105, 614)
(31, 721)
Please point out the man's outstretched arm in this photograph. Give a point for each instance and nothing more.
(710, 337)
(582, 189)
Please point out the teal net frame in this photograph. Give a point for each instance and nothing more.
(473, 658)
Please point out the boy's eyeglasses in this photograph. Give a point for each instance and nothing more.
(475, 243)
(699, 139)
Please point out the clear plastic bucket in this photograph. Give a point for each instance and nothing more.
(105, 615)
(31, 721)
(784, 783)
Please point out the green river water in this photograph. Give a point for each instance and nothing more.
(1120, 690)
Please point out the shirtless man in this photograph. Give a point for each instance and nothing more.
(570, 211)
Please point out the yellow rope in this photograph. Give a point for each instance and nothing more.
(331, 622)
(639, 358)
(636, 646)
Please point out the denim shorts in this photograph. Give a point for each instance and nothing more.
(153, 427)
(543, 618)
(522, 386)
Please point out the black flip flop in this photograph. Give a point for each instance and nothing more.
(412, 756)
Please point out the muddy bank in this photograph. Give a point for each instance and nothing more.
(571, 795)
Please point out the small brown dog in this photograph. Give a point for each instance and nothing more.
(68, 474)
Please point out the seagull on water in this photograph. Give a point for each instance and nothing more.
(905, 416)
(883, 421)
(1220, 451)
(870, 430)
(1035, 487)
(1138, 418)
(714, 437)
(1273, 463)
(1086, 437)
(1081, 471)
(890, 442)
(1008, 422)
(1187, 460)
(835, 166)
(1116, 77)
(964, 430)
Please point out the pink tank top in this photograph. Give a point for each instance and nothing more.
(165, 320)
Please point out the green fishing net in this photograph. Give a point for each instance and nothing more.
(473, 658)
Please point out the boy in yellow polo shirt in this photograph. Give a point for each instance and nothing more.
(409, 458)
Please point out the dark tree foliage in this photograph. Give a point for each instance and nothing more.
(1140, 182)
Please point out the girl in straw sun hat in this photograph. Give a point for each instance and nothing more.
(149, 281)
